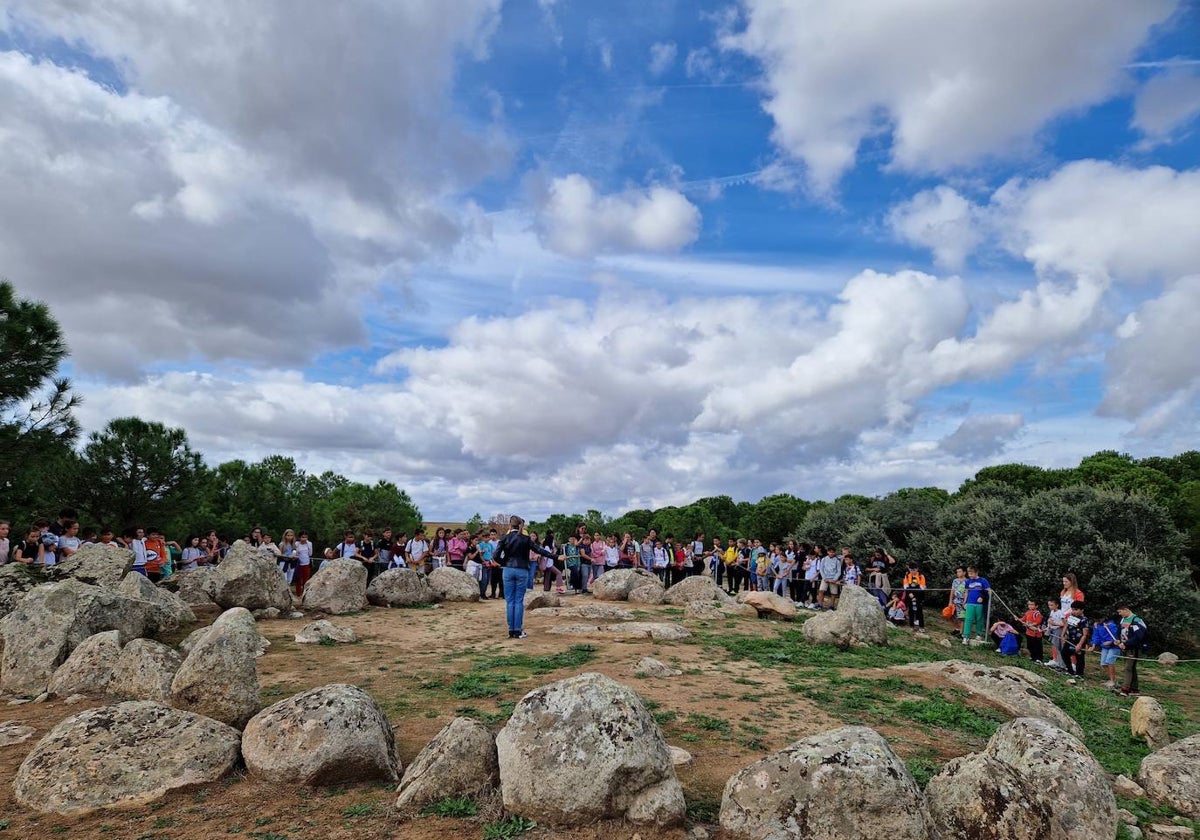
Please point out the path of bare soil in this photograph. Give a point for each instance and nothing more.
(425, 666)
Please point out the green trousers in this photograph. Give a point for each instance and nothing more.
(973, 617)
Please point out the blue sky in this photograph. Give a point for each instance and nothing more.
(542, 256)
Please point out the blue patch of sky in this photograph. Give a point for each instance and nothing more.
(57, 51)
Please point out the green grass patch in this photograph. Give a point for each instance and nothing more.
(452, 806)
(708, 723)
(513, 826)
(662, 718)
(703, 810)
(941, 713)
(474, 685)
(575, 656)
(358, 809)
(923, 766)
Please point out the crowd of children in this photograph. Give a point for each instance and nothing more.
(811, 576)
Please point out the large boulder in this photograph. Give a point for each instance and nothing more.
(219, 677)
(100, 565)
(192, 639)
(1148, 720)
(1172, 775)
(596, 612)
(585, 749)
(841, 785)
(89, 668)
(325, 633)
(978, 796)
(697, 589)
(338, 587)
(123, 755)
(51, 621)
(648, 594)
(165, 611)
(144, 671)
(857, 621)
(459, 761)
(195, 587)
(15, 580)
(1014, 695)
(250, 579)
(1067, 778)
(400, 588)
(616, 585)
(335, 734)
(453, 585)
(769, 605)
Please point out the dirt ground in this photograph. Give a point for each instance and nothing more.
(425, 667)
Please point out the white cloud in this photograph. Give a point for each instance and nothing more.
(940, 220)
(1095, 217)
(578, 221)
(662, 56)
(1153, 373)
(1168, 102)
(953, 83)
(232, 197)
(982, 435)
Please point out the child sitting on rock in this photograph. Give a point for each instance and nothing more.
(897, 610)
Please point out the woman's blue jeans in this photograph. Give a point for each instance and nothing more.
(514, 597)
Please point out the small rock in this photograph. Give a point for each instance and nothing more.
(705, 610)
(12, 732)
(1168, 660)
(20, 701)
(651, 667)
(42, 698)
(295, 614)
(698, 833)
(679, 756)
(945, 643)
(768, 604)
(317, 632)
(1127, 788)
(633, 629)
(1160, 831)
(76, 698)
(1127, 817)
(649, 594)
(1148, 720)
(1132, 832)
(266, 614)
(543, 601)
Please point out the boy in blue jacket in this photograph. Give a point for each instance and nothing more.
(1106, 635)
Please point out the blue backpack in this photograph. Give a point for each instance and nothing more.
(1009, 645)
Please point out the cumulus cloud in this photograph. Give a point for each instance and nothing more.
(940, 220)
(234, 218)
(1167, 102)
(951, 83)
(1153, 372)
(578, 221)
(982, 435)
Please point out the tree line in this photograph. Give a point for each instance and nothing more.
(1128, 528)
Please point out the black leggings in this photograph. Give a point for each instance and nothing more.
(497, 582)
(916, 609)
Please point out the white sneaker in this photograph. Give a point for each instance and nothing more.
(964, 641)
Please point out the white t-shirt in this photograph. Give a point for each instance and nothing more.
(612, 555)
(71, 544)
(304, 553)
(138, 547)
(4, 549)
(416, 549)
(347, 549)
(191, 557)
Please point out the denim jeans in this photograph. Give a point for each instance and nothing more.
(515, 581)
